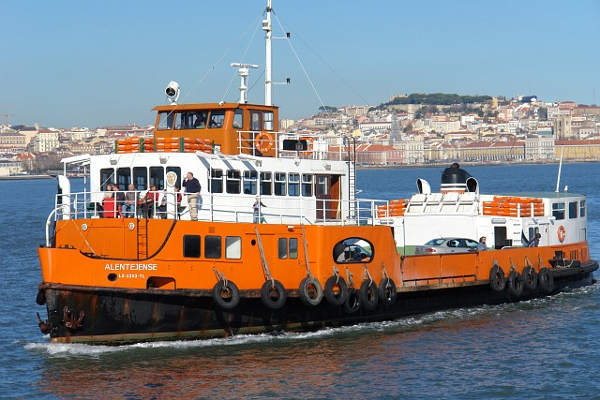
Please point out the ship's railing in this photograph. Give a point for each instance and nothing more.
(314, 147)
(219, 207)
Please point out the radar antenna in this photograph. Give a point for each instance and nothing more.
(244, 71)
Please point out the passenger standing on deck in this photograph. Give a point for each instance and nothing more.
(256, 211)
(482, 244)
(535, 241)
(108, 203)
(192, 188)
(130, 200)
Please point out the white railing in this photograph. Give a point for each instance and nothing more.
(318, 146)
(221, 208)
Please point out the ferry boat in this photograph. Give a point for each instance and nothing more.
(276, 239)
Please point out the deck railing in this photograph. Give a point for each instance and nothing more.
(219, 207)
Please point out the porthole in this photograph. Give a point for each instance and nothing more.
(112, 277)
(353, 250)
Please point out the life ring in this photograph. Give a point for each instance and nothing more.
(497, 279)
(226, 294)
(333, 296)
(369, 295)
(310, 291)
(272, 294)
(546, 280)
(530, 278)
(515, 284)
(387, 291)
(562, 233)
(352, 303)
(263, 142)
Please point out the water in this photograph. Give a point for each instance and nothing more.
(544, 348)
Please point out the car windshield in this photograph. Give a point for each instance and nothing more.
(434, 242)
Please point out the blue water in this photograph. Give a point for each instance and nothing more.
(540, 349)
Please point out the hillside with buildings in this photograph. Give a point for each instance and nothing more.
(412, 129)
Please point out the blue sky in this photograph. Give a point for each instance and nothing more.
(80, 63)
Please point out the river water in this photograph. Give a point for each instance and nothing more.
(540, 349)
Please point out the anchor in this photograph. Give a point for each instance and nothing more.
(69, 319)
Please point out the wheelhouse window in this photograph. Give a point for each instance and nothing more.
(238, 119)
(233, 181)
(268, 120)
(212, 246)
(266, 183)
(582, 208)
(279, 184)
(558, 210)
(177, 171)
(233, 247)
(572, 209)
(106, 177)
(191, 120)
(157, 177)
(165, 120)
(293, 184)
(255, 120)
(307, 185)
(123, 178)
(140, 178)
(191, 246)
(353, 250)
(216, 181)
(217, 118)
(250, 178)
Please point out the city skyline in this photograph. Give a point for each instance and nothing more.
(79, 64)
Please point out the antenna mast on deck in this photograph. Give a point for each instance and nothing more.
(267, 27)
(244, 71)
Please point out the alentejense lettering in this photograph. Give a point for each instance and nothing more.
(131, 267)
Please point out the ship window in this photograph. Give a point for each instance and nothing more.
(106, 177)
(191, 246)
(268, 120)
(322, 185)
(255, 118)
(123, 178)
(572, 209)
(307, 182)
(233, 181)
(250, 182)
(558, 210)
(279, 184)
(582, 208)
(282, 248)
(212, 246)
(216, 119)
(191, 120)
(294, 184)
(177, 171)
(353, 250)
(265, 183)
(165, 120)
(233, 247)
(216, 181)
(140, 178)
(293, 248)
(157, 177)
(238, 119)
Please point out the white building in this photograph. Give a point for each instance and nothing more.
(46, 140)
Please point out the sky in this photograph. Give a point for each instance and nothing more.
(92, 63)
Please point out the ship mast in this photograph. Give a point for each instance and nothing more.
(266, 26)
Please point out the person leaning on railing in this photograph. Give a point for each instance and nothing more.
(192, 188)
(108, 203)
(128, 208)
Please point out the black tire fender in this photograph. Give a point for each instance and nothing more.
(530, 278)
(226, 294)
(369, 295)
(387, 291)
(336, 298)
(546, 281)
(40, 298)
(515, 284)
(310, 291)
(497, 279)
(352, 303)
(272, 294)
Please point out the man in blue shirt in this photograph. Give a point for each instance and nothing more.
(192, 189)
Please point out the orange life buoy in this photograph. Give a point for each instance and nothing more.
(562, 233)
(263, 142)
(309, 144)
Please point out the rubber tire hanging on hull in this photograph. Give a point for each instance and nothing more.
(272, 294)
(387, 292)
(530, 278)
(336, 298)
(310, 291)
(497, 279)
(369, 295)
(546, 281)
(352, 303)
(515, 284)
(231, 291)
(40, 298)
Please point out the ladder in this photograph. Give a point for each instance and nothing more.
(142, 238)
(352, 190)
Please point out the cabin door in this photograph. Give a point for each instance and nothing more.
(499, 237)
(327, 191)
